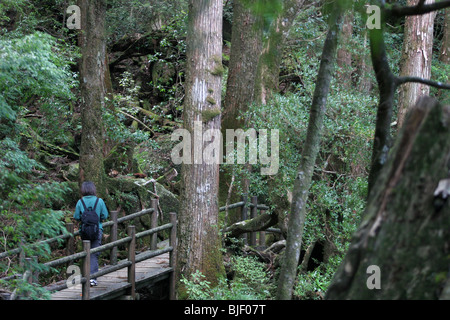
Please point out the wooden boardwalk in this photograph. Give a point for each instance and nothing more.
(114, 284)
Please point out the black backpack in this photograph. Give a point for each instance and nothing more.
(89, 223)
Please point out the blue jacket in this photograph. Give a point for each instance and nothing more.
(89, 201)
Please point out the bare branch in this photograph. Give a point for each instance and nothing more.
(436, 84)
(420, 8)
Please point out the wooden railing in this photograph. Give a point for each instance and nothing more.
(244, 205)
(113, 223)
(129, 263)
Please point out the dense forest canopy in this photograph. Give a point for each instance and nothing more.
(102, 93)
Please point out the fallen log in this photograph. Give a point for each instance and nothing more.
(261, 223)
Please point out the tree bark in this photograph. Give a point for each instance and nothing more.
(268, 71)
(364, 82)
(310, 150)
(445, 49)
(444, 95)
(405, 230)
(344, 55)
(416, 58)
(199, 242)
(93, 68)
(246, 44)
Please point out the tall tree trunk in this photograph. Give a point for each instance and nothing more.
(344, 54)
(246, 43)
(268, 75)
(402, 245)
(444, 95)
(306, 168)
(445, 49)
(416, 58)
(268, 72)
(364, 83)
(93, 68)
(199, 242)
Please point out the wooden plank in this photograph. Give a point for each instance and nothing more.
(114, 284)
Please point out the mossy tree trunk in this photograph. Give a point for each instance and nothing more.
(405, 230)
(268, 71)
(246, 44)
(198, 233)
(93, 90)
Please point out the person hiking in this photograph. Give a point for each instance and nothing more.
(91, 226)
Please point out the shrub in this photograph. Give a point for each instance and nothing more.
(34, 77)
(250, 282)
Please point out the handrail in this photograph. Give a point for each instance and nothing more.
(129, 263)
(106, 246)
(244, 205)
(130, 240)
(65, 236)
(240, 204)
(69, 235)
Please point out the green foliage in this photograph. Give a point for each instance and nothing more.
(141, 16)
(34, 78)
(26, 218)
(25, 206)
(169, 84)
(339, 187)
(22, 17)
(251, 282)
(34, 74)
(440, 72)
(123, 106)
(266, 10)
(313, 285)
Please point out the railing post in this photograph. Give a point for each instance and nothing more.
(22, 253)
(132, 257)
(262, 234)
(36, 272)
(70, 244)
(86, 272)
(253, 213)
(29, 270)
(154, 224)
(28, 275)
(244, 214)
(113, 237)
(172, 254)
